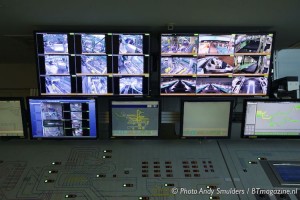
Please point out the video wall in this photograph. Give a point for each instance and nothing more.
(93, 63)
(211, 64)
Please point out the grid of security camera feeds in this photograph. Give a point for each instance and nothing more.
(63, 118)
(215, 64)
(93, 63)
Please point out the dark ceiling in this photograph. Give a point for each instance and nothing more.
(19, 18)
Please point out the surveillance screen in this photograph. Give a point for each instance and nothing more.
(94, 85)
(253, 43)
(220, 85)
(57, 65)
(135, 118)
(63, 118)
(130, 44)
(58, 84)
(131, 64)
(215, 65)
(250, 85)
(131, 85)
(11, 121)
(178, 65)
(93, 43)
(216, 44)
(251, 64)
(178, 85)
(272, 118)
(184, 45)
(206, 119)
(55, 43)
(93, 64)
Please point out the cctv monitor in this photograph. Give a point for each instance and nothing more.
(12, 120)
(271, 118)
(62, 118)
(208, 118)
(196, 64)
(135, 118)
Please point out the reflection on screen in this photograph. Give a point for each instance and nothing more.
(206, 119)
(63, 118)
(11, 118)
(135, 118)
(272, 118)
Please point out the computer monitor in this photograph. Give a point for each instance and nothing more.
(271, 118)
(63, 118)
(12, 120)
(93, 64)
(208, 118)
(135, 118)
(215, 64)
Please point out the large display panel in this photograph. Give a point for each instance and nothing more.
(135, 118)
(271, 118)
(12, 118)
(93, 63)
(207, 118)
(215, 64)
(63, 118)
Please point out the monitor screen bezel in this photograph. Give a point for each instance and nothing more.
(269, 78)
(134, 99)
(23, 116)
(62, 98)
(264, 136)
(231, 101)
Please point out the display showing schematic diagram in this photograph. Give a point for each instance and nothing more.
(135, 121)
(135, 118)
(273, 119)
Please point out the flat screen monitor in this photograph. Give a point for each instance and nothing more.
(63, 118)
(93, 64)
(271, 118)
(197, 64)
(12, 120)
(206, 118)
(135, 118)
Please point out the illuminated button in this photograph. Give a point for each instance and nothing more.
(56, 163)
(169, 185)
(101, 176)
(53, 172)
(105, 157)
(107, 151)
(70, 196)
(49, 181)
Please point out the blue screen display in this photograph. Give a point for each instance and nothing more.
(289, 173)
(63, 118)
